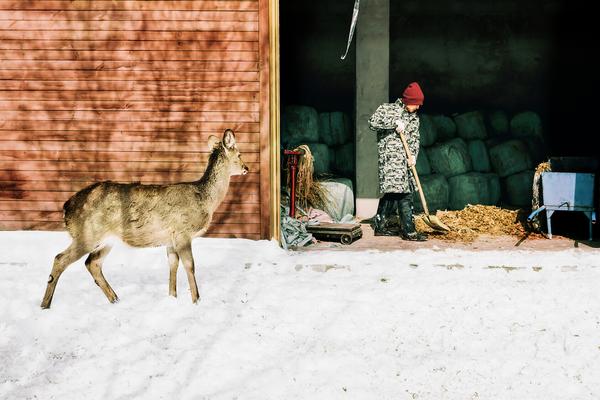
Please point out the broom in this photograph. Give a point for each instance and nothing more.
(431, 220)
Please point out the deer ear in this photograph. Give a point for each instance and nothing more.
(212, 142)
(229, 139)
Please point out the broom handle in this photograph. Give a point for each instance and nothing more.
(414, 171)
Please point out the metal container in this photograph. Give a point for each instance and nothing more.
(568, 191)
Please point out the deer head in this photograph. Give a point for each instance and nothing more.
(228, 149)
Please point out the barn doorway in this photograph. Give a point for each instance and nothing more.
(494, 76)
(318, 91)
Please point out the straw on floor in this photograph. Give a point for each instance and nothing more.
(474, 220)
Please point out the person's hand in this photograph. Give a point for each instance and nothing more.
(412, 161)
(400, 126)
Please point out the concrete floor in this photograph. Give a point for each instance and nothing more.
(484, 242)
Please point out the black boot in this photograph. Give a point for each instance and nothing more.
(406, 216)
(382, 222)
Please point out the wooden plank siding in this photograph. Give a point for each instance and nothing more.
(129, 91)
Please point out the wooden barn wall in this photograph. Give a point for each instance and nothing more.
(130, 91)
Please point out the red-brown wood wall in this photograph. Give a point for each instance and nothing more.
(130, 91)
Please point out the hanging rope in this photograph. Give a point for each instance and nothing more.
(352, 27)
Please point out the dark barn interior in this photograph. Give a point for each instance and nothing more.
(467, 55)
(313, 36)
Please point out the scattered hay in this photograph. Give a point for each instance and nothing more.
(543, 167)
(474, 220)
(536, 199)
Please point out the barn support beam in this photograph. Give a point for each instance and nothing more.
(372, 89)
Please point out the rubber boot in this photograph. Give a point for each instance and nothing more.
(406, 216)
(381, 221)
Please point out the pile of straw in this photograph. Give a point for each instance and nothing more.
(309, 193)
(474, 220)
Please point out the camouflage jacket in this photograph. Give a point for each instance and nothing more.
(394, 173)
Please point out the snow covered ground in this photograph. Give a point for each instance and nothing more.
(423, 324)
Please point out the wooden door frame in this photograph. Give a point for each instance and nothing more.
(270, 118)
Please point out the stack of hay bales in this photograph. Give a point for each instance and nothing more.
(479, 158)
(469, 158)
(329, 136)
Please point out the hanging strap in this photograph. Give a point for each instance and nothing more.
(352, 27)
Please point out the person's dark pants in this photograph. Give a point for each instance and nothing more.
(393, 205)
(383, 222)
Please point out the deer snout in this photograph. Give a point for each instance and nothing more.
(245, 170)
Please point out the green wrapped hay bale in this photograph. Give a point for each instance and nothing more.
(470, 125)
(537, 149)
(479, 156)
(519, 188)
(340, 128)
(510, 157)
(423, 167)
(427, 130)
(334, 128)
(526, 124)
(320, 153)
(470, 188)
(494, 189)
(332, 151)
(435, 189)
(450, 158)
(300, 124)
(344, 160)
(499, 124)
(325, 128)
(445, 127)
(495, 141)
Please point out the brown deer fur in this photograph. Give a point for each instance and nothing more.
(146, 216)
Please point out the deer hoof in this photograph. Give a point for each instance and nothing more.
(46, 303)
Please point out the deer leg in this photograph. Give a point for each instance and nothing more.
(73, 253)
(173, 264)
(94, 265)
(185, 253)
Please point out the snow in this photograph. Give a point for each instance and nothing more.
(272, 324)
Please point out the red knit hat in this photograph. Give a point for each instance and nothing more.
(413, 95)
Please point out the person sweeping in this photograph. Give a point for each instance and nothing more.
(396, 182)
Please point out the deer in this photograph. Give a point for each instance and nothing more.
(146, 215)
